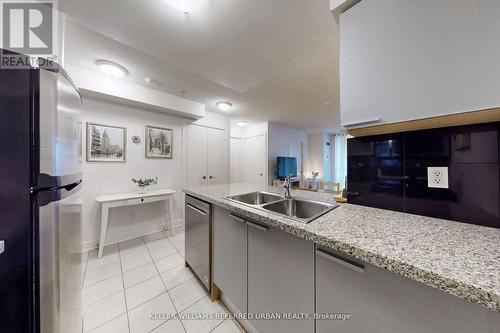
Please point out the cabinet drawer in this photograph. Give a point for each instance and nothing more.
(381, 301)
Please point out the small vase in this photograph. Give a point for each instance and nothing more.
(141, 189)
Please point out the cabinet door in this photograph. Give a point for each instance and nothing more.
(235, 160)
(280, 279)
(403, 60)
(381, 301)
(254, 160)
(230, 257)
(217, 150)
(196, 155)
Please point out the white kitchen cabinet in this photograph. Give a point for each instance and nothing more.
(381, 301)
(206, 156)
(403, 60)
(280, 279)
(230, 258)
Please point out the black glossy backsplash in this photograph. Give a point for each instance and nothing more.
(390, 172)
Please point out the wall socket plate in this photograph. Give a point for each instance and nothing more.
(437, 177)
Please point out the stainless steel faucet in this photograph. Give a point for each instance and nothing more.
(287, 184)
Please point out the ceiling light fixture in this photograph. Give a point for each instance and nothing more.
(152, 81)
(242, 123)
(111, 69)
(224, 105)
(187, 6)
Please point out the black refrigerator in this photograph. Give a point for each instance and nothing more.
(40, 209)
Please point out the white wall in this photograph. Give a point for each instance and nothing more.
(107, 178)
(285, 141)
(316, 154)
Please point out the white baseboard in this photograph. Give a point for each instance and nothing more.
(178, 227)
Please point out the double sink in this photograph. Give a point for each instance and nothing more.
(301, 210)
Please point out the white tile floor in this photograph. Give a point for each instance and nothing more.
(145, 276)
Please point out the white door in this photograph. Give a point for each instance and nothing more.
(196, 155)
(217, 150)
(254, 160)
(235, 163)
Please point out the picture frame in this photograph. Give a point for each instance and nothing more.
(106, 143)
(158, 142)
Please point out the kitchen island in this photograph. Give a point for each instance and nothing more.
(458, 259)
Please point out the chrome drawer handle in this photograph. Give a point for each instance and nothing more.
(236, 218)
(196, 209)
(257, 226)
(341, 261)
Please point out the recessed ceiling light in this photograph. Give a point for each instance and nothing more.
(224, 105)
(152, 81)
(187, 6)
(242, 123)
(111, 69)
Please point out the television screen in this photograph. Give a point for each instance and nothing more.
(287, 166)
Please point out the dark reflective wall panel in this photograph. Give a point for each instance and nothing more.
(376, 171)
(471, 154)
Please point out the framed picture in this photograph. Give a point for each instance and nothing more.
(158, 142)
(106, 143)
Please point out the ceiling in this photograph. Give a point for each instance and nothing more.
(275, 60)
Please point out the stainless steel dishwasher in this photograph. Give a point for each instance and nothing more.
(198, 217)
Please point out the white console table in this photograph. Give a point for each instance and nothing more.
(129, 199)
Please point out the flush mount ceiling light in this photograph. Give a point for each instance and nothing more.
(111, 69)
(242, 123)
(187, 6)
(224, 105)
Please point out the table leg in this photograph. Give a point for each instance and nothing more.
(104, 227)
(170, 222)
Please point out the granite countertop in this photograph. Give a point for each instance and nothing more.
(457, 258)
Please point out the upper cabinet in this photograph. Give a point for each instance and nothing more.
(403, 60)
(206, 156)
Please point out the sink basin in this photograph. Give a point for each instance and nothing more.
(256, 198)
(300, 209)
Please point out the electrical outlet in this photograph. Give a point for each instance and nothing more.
(437, 177)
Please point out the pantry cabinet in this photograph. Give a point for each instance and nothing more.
(207, 152)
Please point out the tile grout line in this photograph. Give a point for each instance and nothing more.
(101, 299)
(85, 270)
(93, 329)
(218, 325)
(93, 284)
(175, 308)
(123, 284)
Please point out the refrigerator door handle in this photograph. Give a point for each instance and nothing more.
(69, 187)
(46, 196)
(54, 183)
